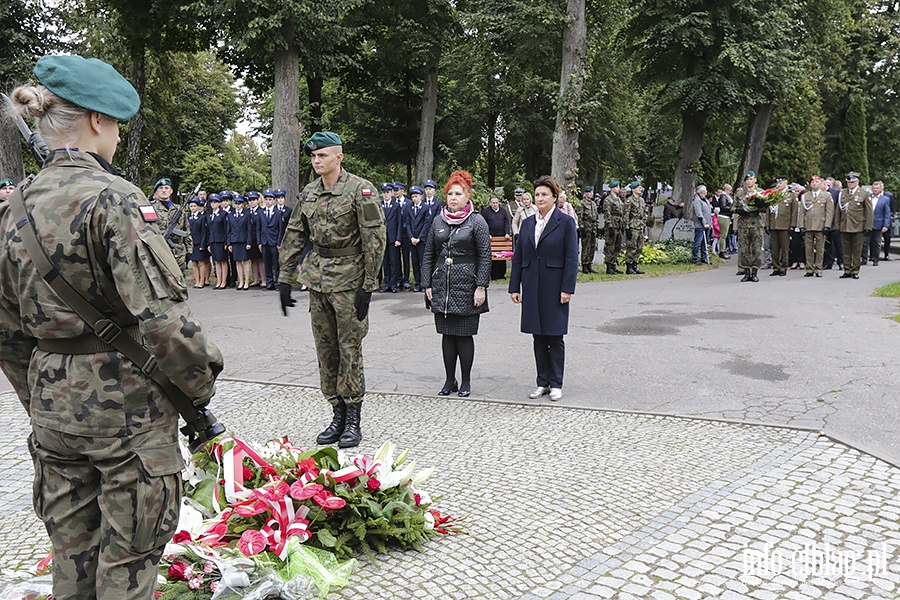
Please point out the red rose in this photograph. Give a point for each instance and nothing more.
(270, 472)
(248, 473)
(181, 536)
(180, 571)
(373, 484)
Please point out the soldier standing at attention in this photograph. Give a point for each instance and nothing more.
(855, 216)
(104, 437)
(634, 228)
(614, 221)
(341, 215)
(780, 219)
(168, 210)
(814, 214)
(588, 220)
(750, 242)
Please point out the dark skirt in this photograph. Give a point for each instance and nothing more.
(218, 251)
(461, 325)
(254, 252)
(198, 254)
(240, 252)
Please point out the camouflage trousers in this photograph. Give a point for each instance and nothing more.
(612, 247)
(109, 506)
(338, 335)
(749, 243)
(181, 252)
(588, 246)
(634, 246)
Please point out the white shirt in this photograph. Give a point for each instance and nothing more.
(540, 223)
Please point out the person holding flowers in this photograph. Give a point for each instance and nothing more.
(750, 207)
(781, 218)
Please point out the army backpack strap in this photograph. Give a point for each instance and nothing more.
(201, 424)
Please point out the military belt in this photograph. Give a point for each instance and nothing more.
(337, 252)
(88, 343)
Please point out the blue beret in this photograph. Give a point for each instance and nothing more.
(750, 174)
(89, 83)
(399, 186)
(614, 183)
(214, 198)
(386, 186)
(7, 182)
(280, 192)
(252, 195)
(416, 190)
(163, 181)
(429, 183)
(267, 193)
(321, 139)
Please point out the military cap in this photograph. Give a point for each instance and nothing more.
(239, 199)
(416, 190)
(781, 178)
(267, 193)
(321, 139)
(252, 195)
(815, 178)
(162, 181)
(429, 183)
(589, 188)
(194, 200)
(399, 185)
(749, 175)
(89, 83)
(7, 182)
(386, 187)
(614, 183)
(280, 192)
(634, 184)
(225, 194)
(518, 192)
(852, 176)
(214, 198)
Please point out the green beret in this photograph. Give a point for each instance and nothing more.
(634, 184)
(89, 83)
(614, 183)
(163, 181)
(589, 188)
(7, 182)
(321, 139)
(750, 174)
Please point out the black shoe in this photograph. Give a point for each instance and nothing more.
(724, 256)
(591, 268)
(333, 432)
(394, 290)
(585, 270)
(616, 271)
(746, 276)
(629, 269)
(352, 435)
(610, 270)
(744, 272)
(782, 273)
(818, 274)
(886, 258)
(855, 276)
(449, 388)
(845, 276)
(384, 289)
(753, 276)
(874, 263)
(807, 274)
(406, 285)
(637, 271)
(464, 390)
(774, 273)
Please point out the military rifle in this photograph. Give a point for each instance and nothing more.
(36, 142)
(174, 222)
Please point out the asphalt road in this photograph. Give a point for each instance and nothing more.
(801, 352)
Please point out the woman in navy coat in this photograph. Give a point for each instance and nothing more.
(543, 281)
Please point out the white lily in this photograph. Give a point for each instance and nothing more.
(429, 520)
(422, 476)
(402, 458)
(385, 454)
(394, 478)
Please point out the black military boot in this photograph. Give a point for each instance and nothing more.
(591, 268)
(753, 276)
(636, 269)
(616, 270)
(742, 272)
(352, 434)
(610, 269)
(746, 276)
(333, 432)
(585, 270)
(629, 269)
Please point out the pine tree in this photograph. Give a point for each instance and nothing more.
(854, 156)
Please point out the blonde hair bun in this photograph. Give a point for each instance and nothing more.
(32, 101)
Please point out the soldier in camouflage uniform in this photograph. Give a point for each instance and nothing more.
(634, 228)
(588, 220)
(104, 436)
(180, 238)
(341, 215)
(750, 241)
(614, 221)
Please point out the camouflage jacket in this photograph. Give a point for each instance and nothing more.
(742, 202)
(587, 214)
(91, 224)
(614, 212)
(347, 215)
(634, 212)
(166, 214)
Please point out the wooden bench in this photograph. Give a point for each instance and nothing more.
(499, 243)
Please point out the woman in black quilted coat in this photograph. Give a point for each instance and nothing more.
(456, 270)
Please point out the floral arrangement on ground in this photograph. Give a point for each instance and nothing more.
(275, 521)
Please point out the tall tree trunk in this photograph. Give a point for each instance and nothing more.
(286, 128)
(10, 151)
(425, 155)
(571, 83)
(693, 126)
(492, 150)
(757, 127)
(136, 124)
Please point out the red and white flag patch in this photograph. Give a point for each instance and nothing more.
(366, 192)
(149, 214)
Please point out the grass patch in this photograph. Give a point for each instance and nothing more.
(650, 271)
(892, 290)
(896, 318)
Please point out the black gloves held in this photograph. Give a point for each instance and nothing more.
(362, 303)
(284, 290)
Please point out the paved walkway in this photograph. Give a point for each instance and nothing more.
(576, 500)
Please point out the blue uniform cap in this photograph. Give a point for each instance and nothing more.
(194, 200)
(225, 194)
(416, 190)
(252, 195)
(518, 191)
(385, 187)
(7, 182)
(89, 83)
(267, 193)
(280, 192)
(239, 199)
(429, 183)
(399, 186)
(163, 181)
(214, 198)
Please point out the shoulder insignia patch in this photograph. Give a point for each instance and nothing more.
(366, 192)
(149, 214)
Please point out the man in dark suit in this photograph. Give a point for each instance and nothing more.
(834, 250)
(402, 201)
(271, 230)
(393, 222)
(881, 223)
(415, 229)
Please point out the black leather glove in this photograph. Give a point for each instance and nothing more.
(741, 212)
(767, 230)
(362, 303)
(284, 289)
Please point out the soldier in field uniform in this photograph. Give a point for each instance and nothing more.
(749, 228)
(179, 240)
(588, 221)
(341, 215)
(104, 436)
(634, 228)
(854, 217)
(614, 221)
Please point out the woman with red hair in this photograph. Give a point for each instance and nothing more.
(456, 271)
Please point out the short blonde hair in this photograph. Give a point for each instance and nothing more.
(58, 120)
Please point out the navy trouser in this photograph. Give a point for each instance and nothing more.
(550, 359)
(270, 260)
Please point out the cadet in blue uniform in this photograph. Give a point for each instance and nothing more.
(239, 242)
(430, 201)
(405, 246)
(199, 256)
(271, 230)
(218, 240)
(416, 225)
(285, 210)
(257, 270)
(393, 221)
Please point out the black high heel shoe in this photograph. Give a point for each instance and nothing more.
(447, 389)
(464, 391)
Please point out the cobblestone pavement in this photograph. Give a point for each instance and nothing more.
(582, 504)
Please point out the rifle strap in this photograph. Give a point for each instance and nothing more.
(108, 332)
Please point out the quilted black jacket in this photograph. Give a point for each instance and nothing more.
(453, 285)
